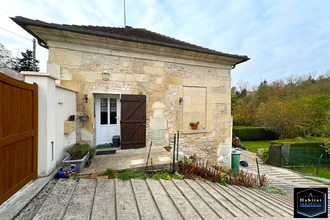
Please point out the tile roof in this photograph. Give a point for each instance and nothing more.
(125, 33)
(136, 33)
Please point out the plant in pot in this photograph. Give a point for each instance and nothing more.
(78, 155)
(194, 125)
(67, 170)
(92, 152)
(168, 148)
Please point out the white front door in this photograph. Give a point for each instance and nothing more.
(107, 118)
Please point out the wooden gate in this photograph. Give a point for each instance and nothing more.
(18, 135)
(133, 121)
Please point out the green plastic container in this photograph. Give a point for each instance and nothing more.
(235, 156)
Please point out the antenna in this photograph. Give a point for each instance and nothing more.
(124, 14)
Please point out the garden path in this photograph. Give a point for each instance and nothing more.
(153, 199)
(281, 177)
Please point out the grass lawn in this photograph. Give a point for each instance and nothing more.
(324, 171)
(254, 145)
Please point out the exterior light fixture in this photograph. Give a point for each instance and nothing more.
(105, 75)
(180, 100)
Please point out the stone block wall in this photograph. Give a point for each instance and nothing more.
(163, 80)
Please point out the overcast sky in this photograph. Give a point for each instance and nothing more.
(282, 37)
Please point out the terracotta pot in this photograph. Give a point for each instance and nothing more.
(168, 149)
(194, 127)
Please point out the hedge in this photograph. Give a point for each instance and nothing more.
(312, 141)
(253, 133)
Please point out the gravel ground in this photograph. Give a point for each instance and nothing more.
(29, 211)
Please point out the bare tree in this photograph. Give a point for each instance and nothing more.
(6, 59)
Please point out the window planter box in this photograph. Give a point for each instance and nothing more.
(80, 164)
(69, 127)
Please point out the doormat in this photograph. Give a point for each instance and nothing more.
(105, 152)
(104, 146)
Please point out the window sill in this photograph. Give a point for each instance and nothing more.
(195, 131)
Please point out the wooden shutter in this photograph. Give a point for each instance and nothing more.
(133, 121)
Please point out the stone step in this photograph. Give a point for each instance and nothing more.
(145, 202)
(180, 201)
(34, 205)
(105, 200)
(81, 202)
(200, 205)
(58, 200)
(99, 199)
(126, 207)
(220, 210)
(165, 204)
(274, 208)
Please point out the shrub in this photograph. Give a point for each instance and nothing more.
(111, 173)
(77, 151)
(312, 141)
(273, 189)
(320, 179)
(265, 154)
(177, 176)
(245, 179)
(253, 133)
(193, 167)
(164, 176)
(127, 175)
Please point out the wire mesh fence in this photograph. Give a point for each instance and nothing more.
(297, 155)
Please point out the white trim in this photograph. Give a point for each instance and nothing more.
(97, 117)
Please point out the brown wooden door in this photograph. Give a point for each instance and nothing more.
(133, 121)
(18, 135)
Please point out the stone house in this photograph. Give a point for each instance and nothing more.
(142, 85)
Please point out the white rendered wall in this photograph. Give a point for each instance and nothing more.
(65, 106)
(46, 119)
(51, 117)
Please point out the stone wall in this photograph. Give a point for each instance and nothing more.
(162, 79)
(12, 73)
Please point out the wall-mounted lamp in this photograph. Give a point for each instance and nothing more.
(180, 100)
(105, 75)
(85, 98)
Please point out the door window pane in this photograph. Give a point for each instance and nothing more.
(104, 111)
(113, 111)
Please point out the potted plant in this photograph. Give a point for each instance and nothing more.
(67, 171)
(168, 148)
(84, 117)
(194, 125)
(78, 155)
(92, 152)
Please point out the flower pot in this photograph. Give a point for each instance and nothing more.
(84, 118)
(168, 149)
(194, 127)
(79, 163)
(67, 173)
